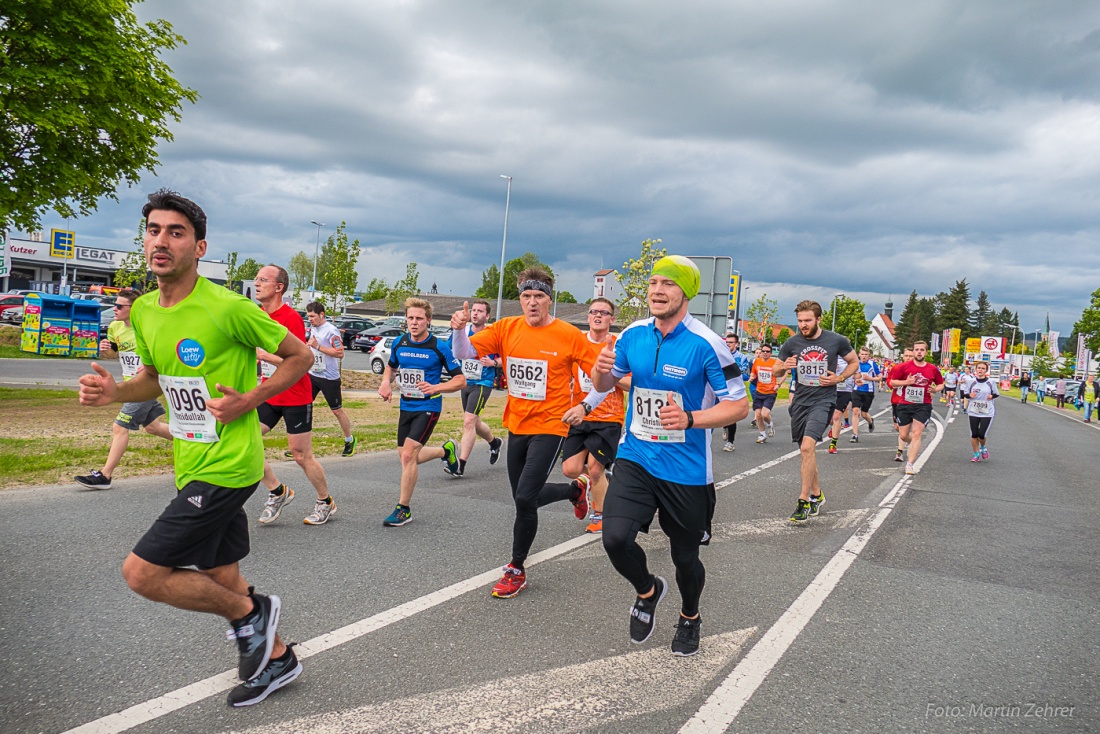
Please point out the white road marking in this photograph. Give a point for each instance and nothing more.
(567, 699)
(723, 705)
(1069, 413)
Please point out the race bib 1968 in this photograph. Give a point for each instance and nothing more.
(645, 422)
(407, 381)
(527, 378)
(189, 418)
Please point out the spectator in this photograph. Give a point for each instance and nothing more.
(1060, 392)
(1025, 385)
(1041, 390)
(1089, 394)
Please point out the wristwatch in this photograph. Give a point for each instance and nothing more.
(587, 408)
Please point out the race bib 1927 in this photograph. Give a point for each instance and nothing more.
(130, 362)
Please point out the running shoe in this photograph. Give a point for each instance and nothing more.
(977, 456)
(641, 614)
(771, 429)
(400, 516)
(847, 423)
(761, 438)
(275, 504)
(450, 457)
(897, 456)
(870, 423)
(596, 523)
(95, 480)
(801, 511)
(753, 423)
(494, 450)
(580, 505)
(277, 674)
(728, 446)
(832, 446)
(816, 501)
(686, 641)
(854, 439)
(513, 582)
(288, 454)
(985, 453)
(255, 635)
(909, 468)
(349, 446)
(322, 511)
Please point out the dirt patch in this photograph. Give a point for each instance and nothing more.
(9, 335)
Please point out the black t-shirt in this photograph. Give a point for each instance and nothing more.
(815, 357)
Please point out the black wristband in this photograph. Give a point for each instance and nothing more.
(587, 408)
(691, 419)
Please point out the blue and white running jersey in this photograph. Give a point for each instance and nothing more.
(416, 362)
(695, 364)
(477, 373)
(869, 369)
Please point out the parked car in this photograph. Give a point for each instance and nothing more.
(8, 303)
(380, 354)
(351, 326)
(106, 316)
(1072, 386)
(367, 339)
(12, 316)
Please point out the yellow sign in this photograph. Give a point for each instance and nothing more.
(973, 344)
(61, 243)
(734, 286)
(956, 337)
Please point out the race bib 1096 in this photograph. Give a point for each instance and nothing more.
(189, 417)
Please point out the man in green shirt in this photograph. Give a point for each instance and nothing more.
(133, 416)
(197, 344)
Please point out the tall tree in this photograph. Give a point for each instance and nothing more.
(928, 323)
(248, 269)
(490, 279)
(402, 289)
(566, 297)
(903, 327)
(1089, 323)
(337, 274)
(133, 271)
(851, 321)
(300, 270)
(759, 317)
(232, 278)
(377, 288)
(84, 98)
(634, 278)
(953, 309)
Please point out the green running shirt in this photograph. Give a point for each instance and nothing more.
(212, 334)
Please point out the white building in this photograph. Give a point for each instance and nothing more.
(881, 339)
(606, 285)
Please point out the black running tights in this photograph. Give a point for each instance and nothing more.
(531, 458)
(731, 432)
(620, 541)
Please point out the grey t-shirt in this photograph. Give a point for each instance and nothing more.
(815, 358)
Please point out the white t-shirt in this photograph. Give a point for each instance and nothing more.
(981, 406)
(325, 365)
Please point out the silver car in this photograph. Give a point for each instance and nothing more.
(380, 354)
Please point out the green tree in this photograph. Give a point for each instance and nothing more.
(784, 335)
(133, 271)
(759, 318)
(232, 279)
(248, 269)
(851, 321)
(566, 297)
(634, 278)
(903, 327)
(300, 270)
(402, 289)
(1089, 323)
(1043, 363)
(490, 279)
(376, 289)
(84, 98)
(953, 309)
(336, 271)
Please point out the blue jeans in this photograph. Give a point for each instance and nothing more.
(1023, 394)
(1088, 410)
(1041, 396)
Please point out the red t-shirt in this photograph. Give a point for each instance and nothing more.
(301, 392)
(919, 392)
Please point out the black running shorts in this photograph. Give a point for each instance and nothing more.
(474, 398)
(979, 426)
(810, 420)
(298, 418)
(763, 401)
(843, 399)
(416, 425)
(203, 526)
(909, 412)
(862, 401)
(330, 389)
(686, 510)
(599, 438)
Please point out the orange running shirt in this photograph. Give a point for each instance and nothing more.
(763, 371)
(612, 409)
(540, 363)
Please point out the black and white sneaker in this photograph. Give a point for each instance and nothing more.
(641, 614)
(95, 480)
(255, 635)
(494, 450)
(686, 641)
(274, 676)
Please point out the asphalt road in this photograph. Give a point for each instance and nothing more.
(962, 600)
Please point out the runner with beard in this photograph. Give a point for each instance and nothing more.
(917, 380)
(811, 355)
(895, 398)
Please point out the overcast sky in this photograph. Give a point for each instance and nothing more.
(864, 148)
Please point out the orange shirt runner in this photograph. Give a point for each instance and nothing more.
(613, 408)
(763, 371)
(540, 362)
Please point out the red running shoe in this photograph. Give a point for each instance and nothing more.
(580, 505)
(513, 582)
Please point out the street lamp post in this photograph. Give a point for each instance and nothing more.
(836, 302)
(737, 315)
(316, 249)
(1011, 345)
(504, 243)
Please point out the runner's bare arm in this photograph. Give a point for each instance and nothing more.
(101, 389)
(454, 384)
(460, 342)
(673, 417)
(385, 390)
